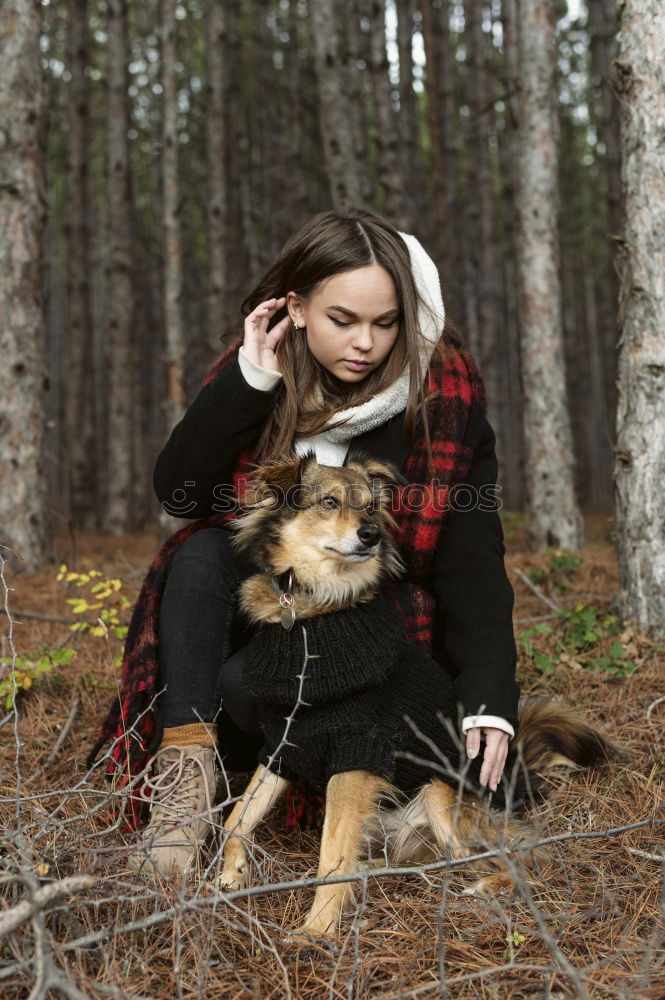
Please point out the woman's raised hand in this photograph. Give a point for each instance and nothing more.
(260, 343)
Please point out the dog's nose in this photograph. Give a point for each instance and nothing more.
(368, 534)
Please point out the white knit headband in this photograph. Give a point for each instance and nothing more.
(426, 277)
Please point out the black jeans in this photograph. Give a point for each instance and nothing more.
(202, 637)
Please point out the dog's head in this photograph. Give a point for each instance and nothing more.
(323, 521)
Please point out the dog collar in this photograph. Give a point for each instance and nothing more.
(281, 584)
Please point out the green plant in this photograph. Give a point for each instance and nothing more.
(98, 594)
(585, 638)
(559, 570)
(544, 661)
(32, 668)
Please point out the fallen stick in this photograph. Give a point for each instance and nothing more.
(37, 617)
(64, 732)
(11, 918)
(49, 618)
(537, 591)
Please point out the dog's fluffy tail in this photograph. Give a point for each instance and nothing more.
(552, 733)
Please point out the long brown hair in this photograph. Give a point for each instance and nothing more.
(330, 243)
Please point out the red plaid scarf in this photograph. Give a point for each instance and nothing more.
(130, 724)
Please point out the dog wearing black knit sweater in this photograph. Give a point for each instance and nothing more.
(348, 704)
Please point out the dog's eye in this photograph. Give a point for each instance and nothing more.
(330, 503)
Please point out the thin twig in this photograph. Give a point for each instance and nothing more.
(64, 732)
(24, 910)
(537, 591)
(647, 855)
(535, 618)
(51, 618)
(654, 704)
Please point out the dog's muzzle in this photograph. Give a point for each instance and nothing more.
(369, 536)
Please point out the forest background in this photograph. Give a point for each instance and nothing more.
(187, 142)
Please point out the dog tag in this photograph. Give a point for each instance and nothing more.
(287, 618)
(288, 615)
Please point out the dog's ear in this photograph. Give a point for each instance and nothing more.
(386, 472)
(376, 468)
(274, 480)
(383, 476)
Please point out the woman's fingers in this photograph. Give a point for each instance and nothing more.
(495, 777)
(472, 742)
(496, 751)
(259, 342)
(256, 323)
(280, 328)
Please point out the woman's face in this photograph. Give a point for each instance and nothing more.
(353, 316)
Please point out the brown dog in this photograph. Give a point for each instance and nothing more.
(327, 531)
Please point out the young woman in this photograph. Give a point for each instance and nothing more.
(343, 346)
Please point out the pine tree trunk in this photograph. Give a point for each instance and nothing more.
(553, 517)
(481, 200)
(244, 149)
(151, 306)
(173, 327)
(603, 39)
(120, 313)
(599, 447)
(345, 189)
(80, 398)
(603, 35)
(24, 523)
(502, 387)
(355, 82)
(409, 129)
(386, 126)
(451, 156)
(640, 450)
(436, 185)
(303, 122)
(215, 42)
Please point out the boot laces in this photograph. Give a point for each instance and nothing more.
(174, 786)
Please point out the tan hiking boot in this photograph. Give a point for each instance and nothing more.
(182, 786)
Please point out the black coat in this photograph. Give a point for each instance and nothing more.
(473, 633)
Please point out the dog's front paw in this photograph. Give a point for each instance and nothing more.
(232, 878)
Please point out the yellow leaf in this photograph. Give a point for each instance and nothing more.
(71, 576)
(43, 869)
(26, 683)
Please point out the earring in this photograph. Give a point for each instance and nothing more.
(295, 325)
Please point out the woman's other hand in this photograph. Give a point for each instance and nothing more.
(496, 751)
(260, 343)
